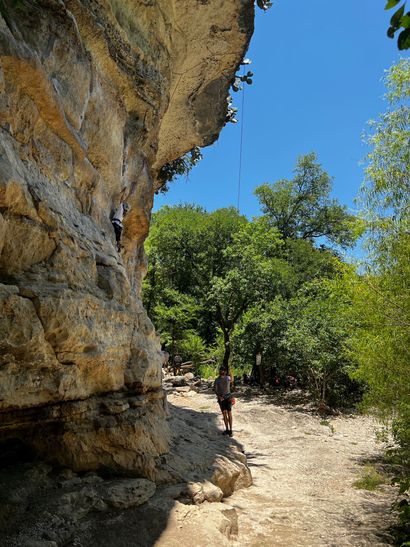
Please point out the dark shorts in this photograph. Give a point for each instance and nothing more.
(225, 405)
(117, 230)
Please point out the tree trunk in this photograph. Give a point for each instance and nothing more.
(227, 353)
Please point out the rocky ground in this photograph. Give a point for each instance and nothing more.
(303, 470)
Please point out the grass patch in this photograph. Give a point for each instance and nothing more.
(327, 424)
(370, 480)
(207, 371)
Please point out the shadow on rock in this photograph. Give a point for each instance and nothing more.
(50, 507)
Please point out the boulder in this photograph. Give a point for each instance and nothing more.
(184, 389)
(121, 494)
(230, 475)
(177, 381)
(126, 493)
(199, 492)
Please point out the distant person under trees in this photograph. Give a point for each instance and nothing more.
(176, 365)
(165, 362)
(222, 388)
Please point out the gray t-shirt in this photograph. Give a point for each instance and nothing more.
(222, 385)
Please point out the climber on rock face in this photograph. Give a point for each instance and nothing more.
(116, 221)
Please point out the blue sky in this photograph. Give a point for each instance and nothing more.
(318, 67)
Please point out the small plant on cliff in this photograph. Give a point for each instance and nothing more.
(244, 78)
(180, 166)
(264, 4)
(399, 20)
(236, 86)
(7, 6)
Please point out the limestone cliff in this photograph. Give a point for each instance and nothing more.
(95, 97)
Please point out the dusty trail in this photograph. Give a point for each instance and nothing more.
(302, 494)
(303, 474)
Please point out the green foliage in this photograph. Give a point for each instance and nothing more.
(192, 347)
(326, 423)
(7, 6)
(381, 295)
(370, 480)
(178, 167)
(175, 314)
(387, 185)
(264, 4)
(255, 272)
(207, 371)
(221, 286)
(399, 20)
(261, 330)
(242, 78)
(315, 337)
(301, 208)
(186, 249)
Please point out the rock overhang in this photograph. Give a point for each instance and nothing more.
(95, 97)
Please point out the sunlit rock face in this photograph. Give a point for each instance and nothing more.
(95, 97)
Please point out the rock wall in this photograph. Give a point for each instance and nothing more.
(95, 97)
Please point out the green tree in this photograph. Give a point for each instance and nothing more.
(301, 208)
(315, 339)
(255, 272)
(175, 316)
(193, 347)
(381, 295)
(174, 246)
(385, 195)
(261, 330)
(186, 250)
(399, 20)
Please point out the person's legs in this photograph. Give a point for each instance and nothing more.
(117, 230)
(225, 417)
(229, 413)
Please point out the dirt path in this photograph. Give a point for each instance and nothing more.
(303, 474)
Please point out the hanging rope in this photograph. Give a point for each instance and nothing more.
(241, 142)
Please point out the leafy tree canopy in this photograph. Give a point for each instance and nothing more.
(301, 208)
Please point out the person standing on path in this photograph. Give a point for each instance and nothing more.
(222, 388)
(177, 364)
